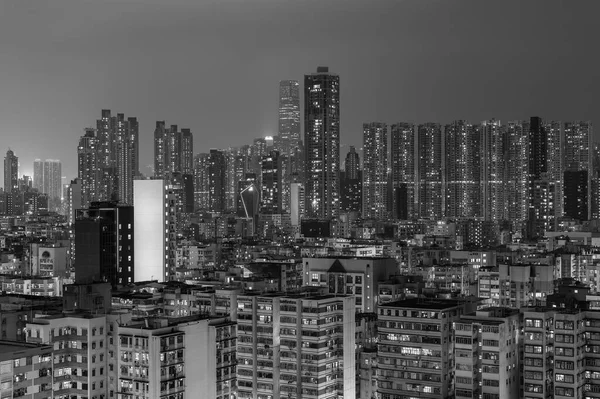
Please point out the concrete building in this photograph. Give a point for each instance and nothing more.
(80, 355)
(486, 354)
(173, 358)
(296, 346)
(47, 260)
(154, 221)
(352, 276)
(322, 143)
(415, 347)
(25, 370)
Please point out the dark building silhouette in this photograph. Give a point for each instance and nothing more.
(322, 143)
(11, 172)
(351, 183)
(576, 194)
(104, 244)
(216, 178)
(271, 183)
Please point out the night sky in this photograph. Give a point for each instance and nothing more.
(214, 66)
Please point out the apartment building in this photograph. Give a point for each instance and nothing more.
(486, 354)
(296, 346)
(358, 277)
(172, 358)
(25, 370)
(80, 353)
(415, 348)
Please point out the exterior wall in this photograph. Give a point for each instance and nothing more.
(415, 349)
(25, 371)
(80, 353)
(284, 352)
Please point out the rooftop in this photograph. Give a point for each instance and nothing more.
(423, 303)
(13, 347)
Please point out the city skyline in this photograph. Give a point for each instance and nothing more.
(409, 60)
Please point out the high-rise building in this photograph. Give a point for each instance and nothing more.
(117, 157)
(173, 150)
(430, 184)
(201, 182)
(87, 167)
(578, 153)
(289, 115)
(133, 129)
(375, 171)
(104, 244)
(53, 183)
(160, 149)
(38, 175)
(555, 134)
(271, 183)
(74, 200)
(416, 336)
(187, 152)
(486, 353)
(493, 172)
(576, 194)
(351, 183)
(516, 172)
(11, 172)
(85, 356)
(296, 346)
(154, 221)
(296, 205)
(322, 143)
(216, 181)
(248, 197)
(462, 170)
(403, 170)
(26, 369)
(106, 140)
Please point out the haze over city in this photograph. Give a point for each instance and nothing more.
(214, 67)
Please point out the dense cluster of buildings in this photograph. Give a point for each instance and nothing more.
(461, 261)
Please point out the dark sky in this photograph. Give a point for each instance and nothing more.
(214, 66)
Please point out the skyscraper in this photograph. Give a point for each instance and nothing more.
(53, 183)
(216, 176)
(578, 151)
(289, 115)
(87, 166)
(173, 150)
(375, 173)
(492, 194)
(576, 194)
(106, 139)
(351, 183)
(187, 152)
(403, 170)
(11, 172)
(516, 169)
(201, 182)
(462, 156)
(117, 157)
(38, 175)
(322, 143)
(540, 216)
(160, 149)
(430, 193)
(271, 183)
(134, 141)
